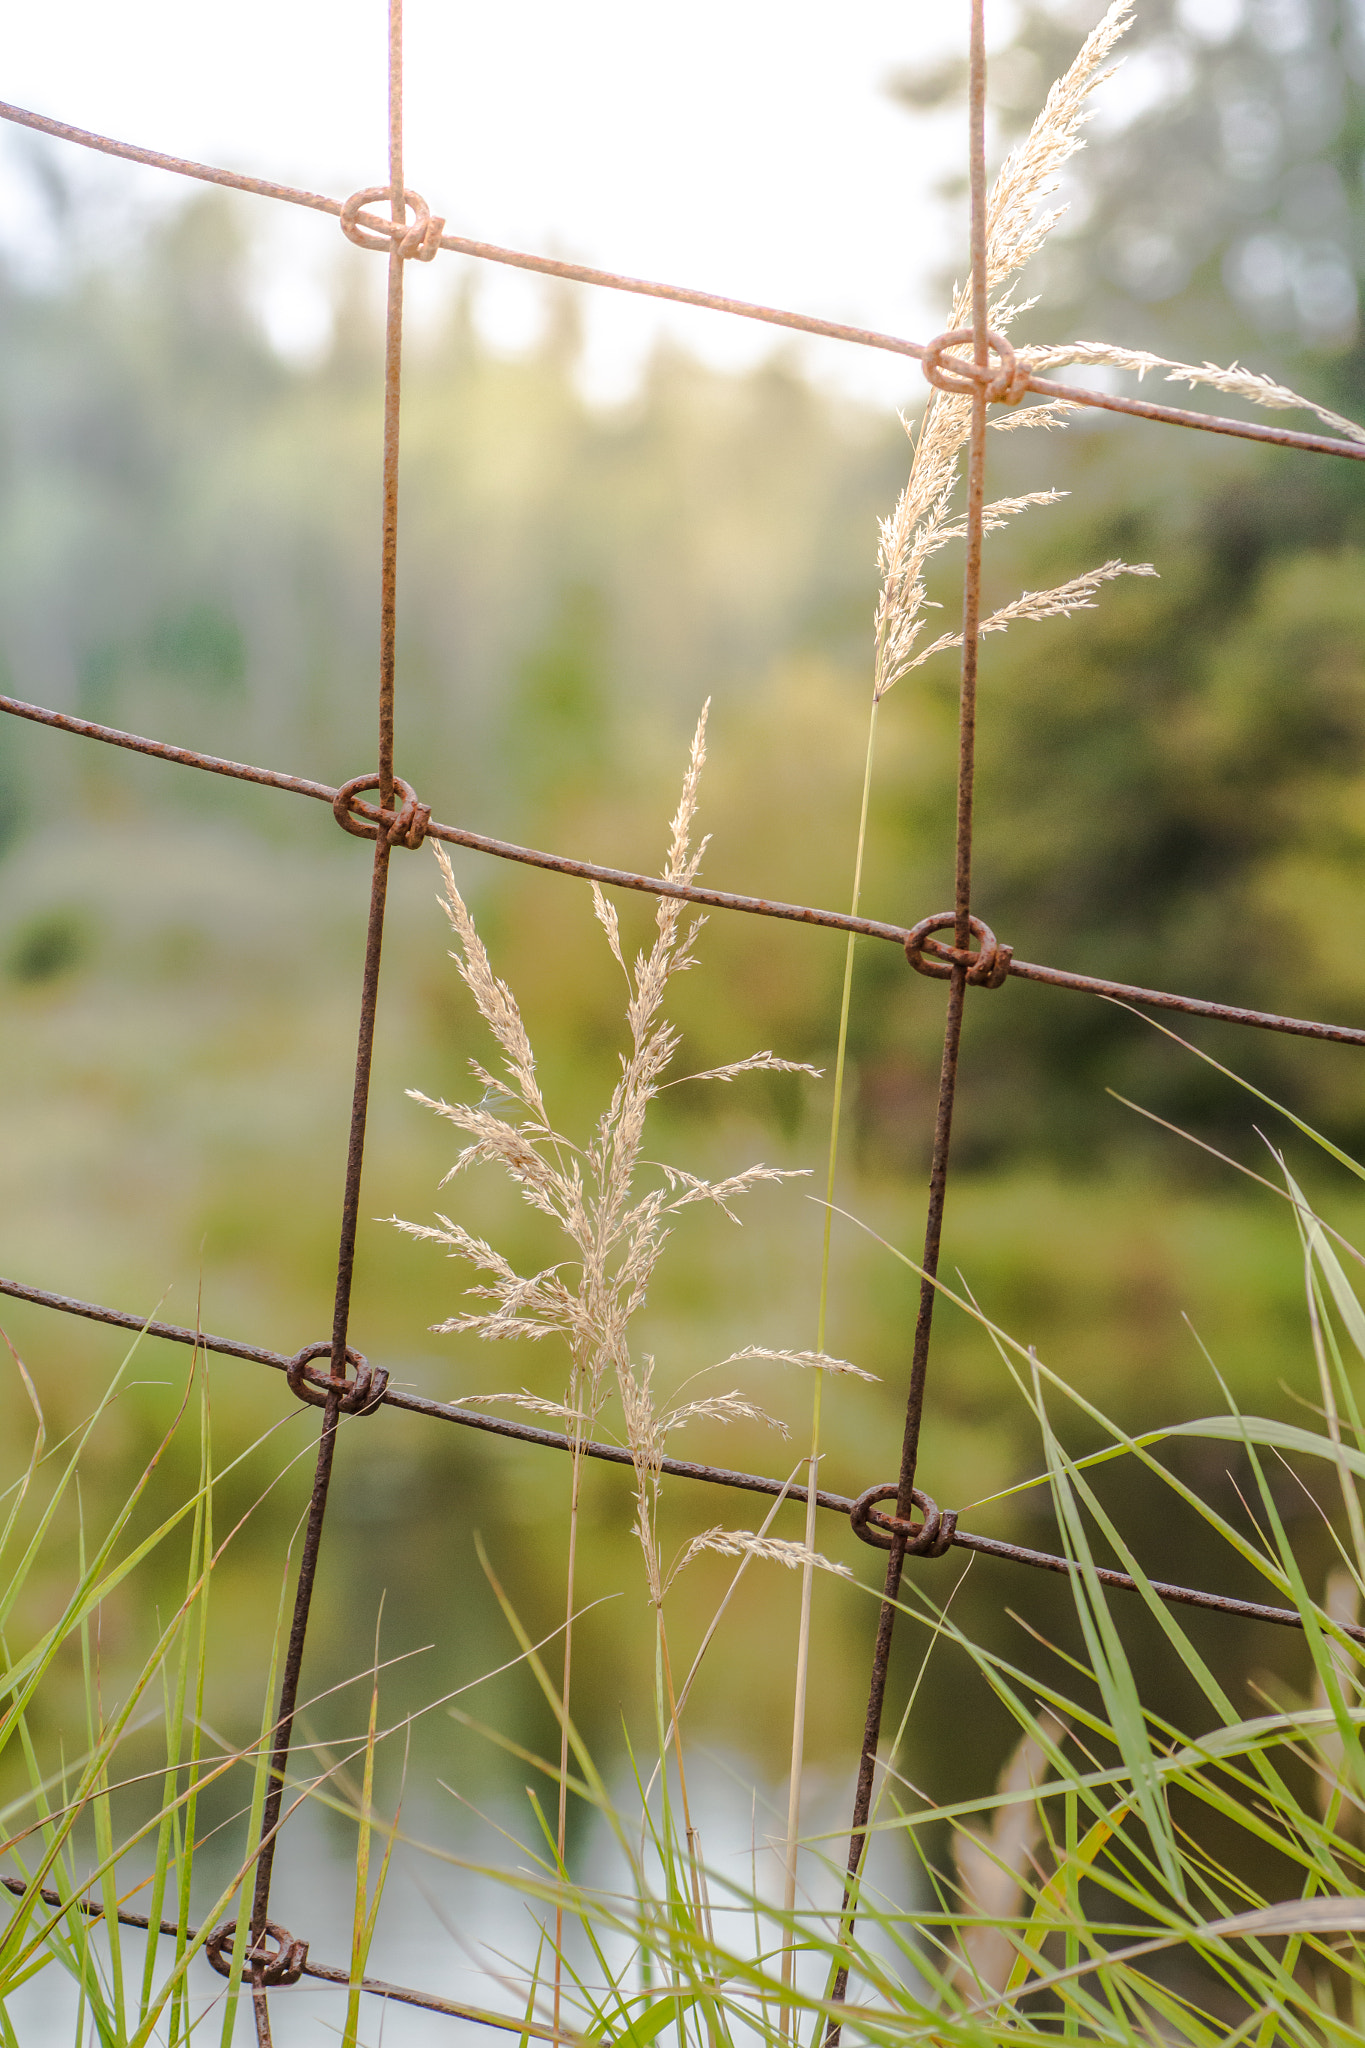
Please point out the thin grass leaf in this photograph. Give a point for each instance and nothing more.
(1108, 1659)
(260, 1779)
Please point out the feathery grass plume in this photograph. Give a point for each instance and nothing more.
(817, 1361)
(757, 1063)
(1015, 230)
(615, 1227)
(615, 1211)
(1235, 381)
(614, 1222)
(744, 1543)
(1058, 603)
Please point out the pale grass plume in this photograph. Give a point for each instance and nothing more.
(497, 1004)
(731, 1407)
(767, 1549)
(1338, 1798)
(1236, 381)
(756, 1063)
(571, 1417)
(1058, 603)
(1015, 229)
(614, 1208)
(722, 1192)
(1055, 413)
(1002, 510)
(995, 1866)
(816, 1361)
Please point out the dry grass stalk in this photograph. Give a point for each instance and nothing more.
(993, 1868)
(614, 1210)
(1015, 229)
(921, 525)
(1338, 1798)
(744, 1543)
(616, 1229)
(1235, 381)
(1058, 603)
(816, 1361)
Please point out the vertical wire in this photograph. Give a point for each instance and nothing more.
(952, 1030)
(355, 1155)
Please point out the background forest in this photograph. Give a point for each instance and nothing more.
(1172, 792)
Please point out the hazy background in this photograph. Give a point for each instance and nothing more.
(610, 513)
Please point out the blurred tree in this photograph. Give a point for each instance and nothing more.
(558, 716)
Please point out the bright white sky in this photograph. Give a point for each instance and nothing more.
(744, 146)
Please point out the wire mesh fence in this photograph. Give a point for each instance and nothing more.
(953, 946)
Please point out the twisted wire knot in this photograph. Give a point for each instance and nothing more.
(419, 237)
(930, 1537)
(278, 1954)
(988, 967)
(360, 1396)
(1003, 385)
(404, 827)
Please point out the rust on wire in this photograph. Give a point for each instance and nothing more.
(358, 1396)
(336, 1392)
(988, 967)
(372, 232)
(931, 1536)
(421, 238)
(407, 826)
(861, 1511)
(947, 372)
(961, 966)
(323, 1973)
(278, 1955)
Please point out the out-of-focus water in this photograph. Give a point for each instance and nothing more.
(447, 1928)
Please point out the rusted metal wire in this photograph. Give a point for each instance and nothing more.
(275, 1956)
(322, 1973)
(991, 965)
(369, 231)
(961, 965)
(861, 1510)
(337, 1394)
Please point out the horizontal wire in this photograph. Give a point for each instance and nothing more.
(676, 1468)
(688, 892)
(416, 1404)
(1193, 1006)
(326, 1973)
(743, 309)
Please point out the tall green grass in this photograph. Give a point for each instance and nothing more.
(1128, 1879)
(1133, 1877)
(92, 1826)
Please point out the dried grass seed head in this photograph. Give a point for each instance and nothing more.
(617, 1232)
(921, 523)
(769, 1549)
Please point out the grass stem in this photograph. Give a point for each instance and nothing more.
(812, 1468)
(562, 1830)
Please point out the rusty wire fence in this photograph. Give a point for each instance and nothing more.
(336, 1378)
